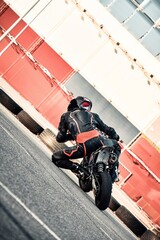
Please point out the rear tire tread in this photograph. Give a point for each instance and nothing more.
(103, 199)
(49, 139)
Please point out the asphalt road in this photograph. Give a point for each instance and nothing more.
(39, 201)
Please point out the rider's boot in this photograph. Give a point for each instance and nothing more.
(78, 169)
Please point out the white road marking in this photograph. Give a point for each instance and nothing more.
(105, 233)
(29, 211)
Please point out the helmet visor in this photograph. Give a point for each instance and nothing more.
(86, 105)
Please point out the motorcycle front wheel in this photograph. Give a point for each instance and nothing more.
(103, 190)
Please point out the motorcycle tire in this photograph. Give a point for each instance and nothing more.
(29, 122)
(131, 221)
(49, 139)
(114, 204)
(103, 191)
(85, 184)
(9, 103)
(149, 235)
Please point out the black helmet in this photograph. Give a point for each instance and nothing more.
(81, 103)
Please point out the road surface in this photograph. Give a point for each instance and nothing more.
(38, 200)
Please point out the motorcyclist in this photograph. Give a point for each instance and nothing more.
(87, 130)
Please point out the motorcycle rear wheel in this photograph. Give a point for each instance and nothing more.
(103, 190)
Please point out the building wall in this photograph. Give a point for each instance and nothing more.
(109, 114)
(77, 37)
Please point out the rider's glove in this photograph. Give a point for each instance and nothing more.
(116, 137)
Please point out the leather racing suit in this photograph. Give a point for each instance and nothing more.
(88, 131)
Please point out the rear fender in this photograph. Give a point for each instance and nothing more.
(103, 156)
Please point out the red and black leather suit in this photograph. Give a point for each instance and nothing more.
(88, 131)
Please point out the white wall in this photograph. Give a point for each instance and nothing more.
(77, 37)
(125, 87)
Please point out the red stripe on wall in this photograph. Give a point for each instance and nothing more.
(141, 185)
(27, 38)
(150, 155)
(53, 62)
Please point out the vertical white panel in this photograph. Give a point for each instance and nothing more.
(9, 2)
(119, 34)
(77, 39)
(51, 17)
(22, 6)
(125, 87)
(75, 35)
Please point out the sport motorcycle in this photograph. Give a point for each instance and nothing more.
(99, 166)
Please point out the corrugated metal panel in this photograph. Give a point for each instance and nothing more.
(130, 15)
(144, 149)
(78, 40)
(53, 62)
(125, 85)
(34, 86)
(6, 61)
(27, 38)
(30, 82)
(98, 56)
(54, 106)
(24, 74)
(51, 17)
(22, 6)
(148, 189)
(79, 86)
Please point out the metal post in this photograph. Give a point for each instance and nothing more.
(4, 49)
(16, 22)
